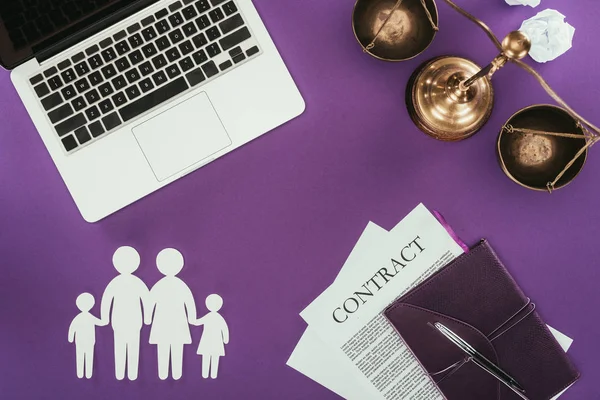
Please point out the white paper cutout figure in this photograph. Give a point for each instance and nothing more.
(214, 336)
(174, 309)
(83, 331)
(127, 294)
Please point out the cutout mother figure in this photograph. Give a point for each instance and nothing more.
(174, 309)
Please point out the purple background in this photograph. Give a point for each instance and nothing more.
(269, 226)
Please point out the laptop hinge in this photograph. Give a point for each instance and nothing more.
(84, 29)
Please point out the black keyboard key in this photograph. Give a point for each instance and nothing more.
(159, 78)
(149, 34)
(106, 106)
(82, 68)
(132, 75)
(176, 36)
(36, 79)
(92, 96)
(68, 92)
(82, 85)
(213, 50)
(109, 55)
(146, 68)
(136, 57)
(91, 50)
(189, 12)
(231, 24)
(119, 99)
(60, 113)
(83, 136)
(111, 121)
(41, 90)
(175, 6)
(55, 82)
(148, 20)
(108, 72)
(200, 57)
(159, 61)
(176, 19)
(252, 51)
(235, 38)
(119, 35)
(162, 43)
(105, 89)
(173, 54)
(213, 33)
(135, 41)
(96, 78)
(96, 129)
(95, 61)
(78, 57)
(132, 92)
(68, 75)
(70, 124)
(162, 26)
(186, 47)
(203, 22)
(146, 85)
(92, 113)
(186, 2)
(69, 143)
(202, 6)
(78, 104)
(239, 58)
(210, 69)
(216, 2)
(122, 47)
(105, 43)
(119, 82)
(173, 71)
(199, 40)
(133, 28)
(149, 50)
(189, 29)
(186, 64)
(64, 64)
(195, 77)
(235, 51)
(153, 99)
(230, 8)
(50, 71)
(162, 13)
(122, 64)
(216, 15)
(52, 101)
(225, 65)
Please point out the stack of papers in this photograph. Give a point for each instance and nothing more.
(349, 347)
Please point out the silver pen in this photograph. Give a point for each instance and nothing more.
(481, 361)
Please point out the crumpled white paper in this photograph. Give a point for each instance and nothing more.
(550, 35)
(531, 3)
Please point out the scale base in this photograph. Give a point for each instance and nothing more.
(440, 108)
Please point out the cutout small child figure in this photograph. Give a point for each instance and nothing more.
(214, 336)
(83, 331)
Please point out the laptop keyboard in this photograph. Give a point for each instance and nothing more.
(137, 69)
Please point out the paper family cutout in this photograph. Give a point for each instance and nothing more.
(169, 308)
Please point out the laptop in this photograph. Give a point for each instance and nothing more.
(130, 95)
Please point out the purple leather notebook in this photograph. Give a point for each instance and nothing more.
(477, 299)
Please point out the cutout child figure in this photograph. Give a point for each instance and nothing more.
(172, 310)
(214, 336)
(83, 331)
(126, 293)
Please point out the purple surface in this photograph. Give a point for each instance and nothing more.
(269, 226)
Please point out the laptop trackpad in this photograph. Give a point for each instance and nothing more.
(182, 136)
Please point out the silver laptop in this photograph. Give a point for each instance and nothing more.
(130, 95)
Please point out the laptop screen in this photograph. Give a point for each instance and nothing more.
(27, 26)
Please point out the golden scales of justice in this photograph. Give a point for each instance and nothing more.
(541, 147)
